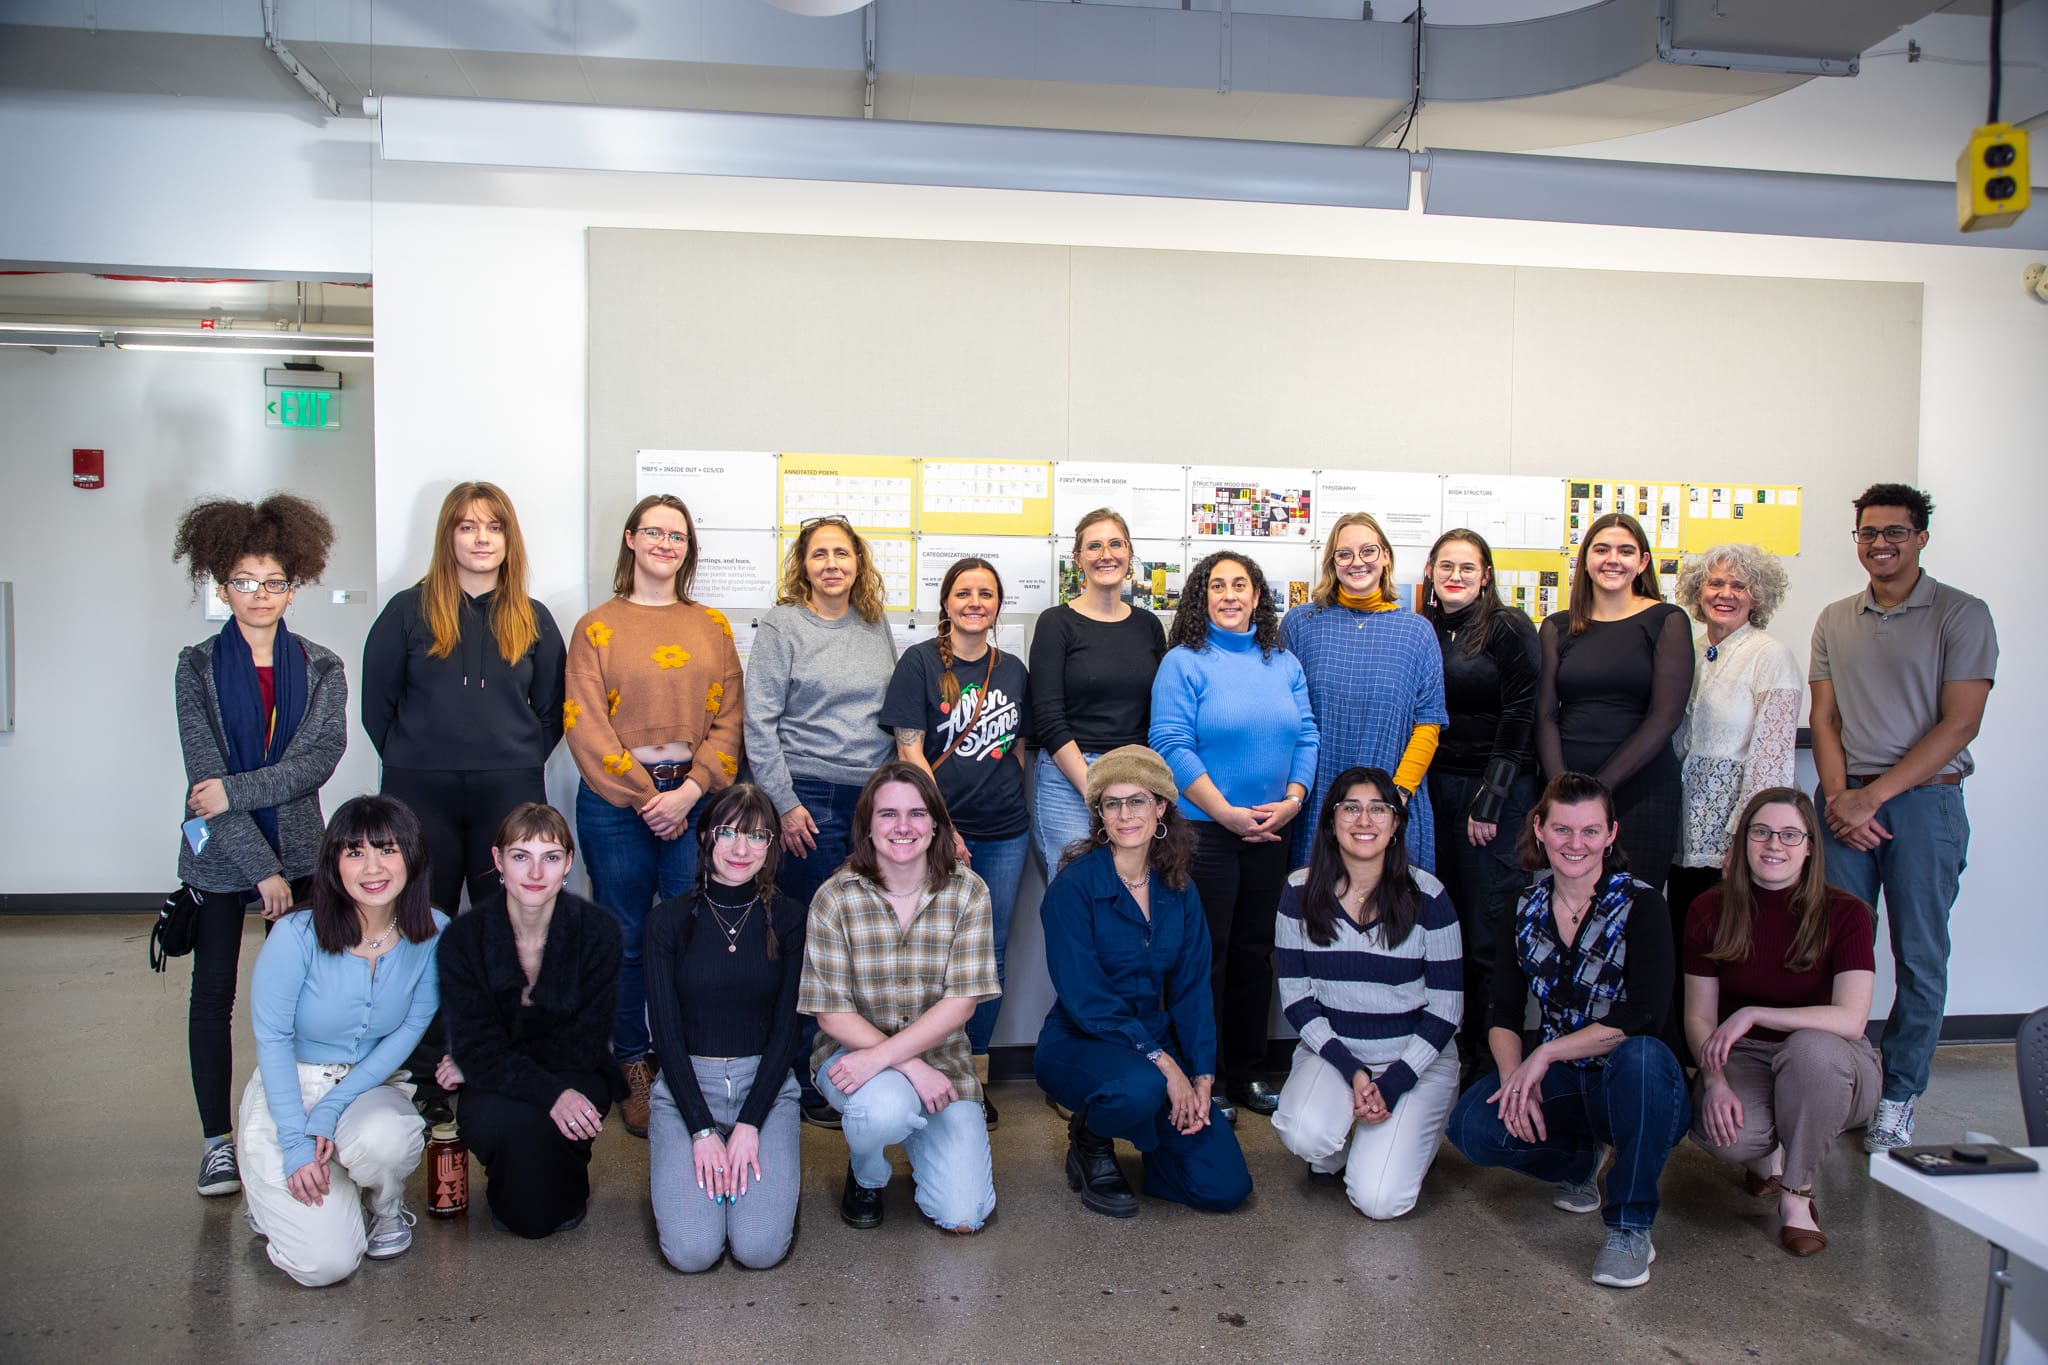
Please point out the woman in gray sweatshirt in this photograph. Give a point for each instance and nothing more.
(262, 721)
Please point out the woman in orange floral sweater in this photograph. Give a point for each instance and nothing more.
(653, 719)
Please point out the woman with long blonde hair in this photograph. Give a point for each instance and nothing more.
(462, 690)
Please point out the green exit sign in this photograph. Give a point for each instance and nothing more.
(314, 408)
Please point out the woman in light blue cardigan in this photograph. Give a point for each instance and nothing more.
(342, 992)
(1230, 716)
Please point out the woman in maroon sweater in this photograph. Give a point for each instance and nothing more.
(1779, 968)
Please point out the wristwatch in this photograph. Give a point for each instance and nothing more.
(703, 1133)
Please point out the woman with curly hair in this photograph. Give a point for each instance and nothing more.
(1742, 723)
(819, 672)
(1243, 758)
(262, 721)
(653, 719)
(1129, 1046)
(462, 690)
(1375, 678)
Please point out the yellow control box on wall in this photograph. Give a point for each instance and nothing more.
(1993, 180)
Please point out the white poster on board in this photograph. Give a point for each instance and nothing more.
(1150, 497)
(1513, 511)
(1408, 507)
(737, 570)
(1289, 567)
(724, 489)
(1024, 562)
(1250, 504)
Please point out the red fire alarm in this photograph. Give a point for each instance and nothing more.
(88, 469)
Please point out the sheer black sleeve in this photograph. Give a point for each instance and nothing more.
(1511, 644)
(1670, 685)
(1549, 746)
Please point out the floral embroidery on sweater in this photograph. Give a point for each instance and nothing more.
(671, 656)
(715, 614)
(618, 764)
(729, 764)
(570, 710)
(611, 701)
(598, 633)
(714, 700)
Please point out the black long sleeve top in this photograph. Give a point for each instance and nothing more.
(1490, 694)
(470, 711)
(708, 996)
(525, 1051)
(1609, 700)
(1091, 681)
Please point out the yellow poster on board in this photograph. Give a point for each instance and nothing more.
(1764, 515)
(874, 492)
(895, 559)
(1533, 582)
(985, 497)
(1657, 508)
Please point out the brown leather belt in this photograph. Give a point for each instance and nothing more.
(1938, 780)
(668, 772)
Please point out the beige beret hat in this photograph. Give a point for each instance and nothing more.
(1132, 763)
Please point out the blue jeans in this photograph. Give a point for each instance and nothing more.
(1918, 869)
(831, 807)
(948, 1151)
(1636, 1103)
(1119, 1094)
(628, 865)
(1059, 814)
(1000, 863)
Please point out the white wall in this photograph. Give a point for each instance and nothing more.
(91, 782)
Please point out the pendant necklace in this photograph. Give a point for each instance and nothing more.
(372, 945)
(732, 931)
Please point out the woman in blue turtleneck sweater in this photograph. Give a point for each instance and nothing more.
(1230, 716)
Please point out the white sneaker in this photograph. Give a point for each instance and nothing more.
(249, 1217)
(1891, 1126)
(391, 1234)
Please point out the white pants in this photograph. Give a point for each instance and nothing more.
(1384, 1168)
(377, 1145)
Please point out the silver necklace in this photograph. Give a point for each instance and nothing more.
(372, 945)
(732, 931)
(1138, 883)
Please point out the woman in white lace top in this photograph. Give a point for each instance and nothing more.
(1742, 722)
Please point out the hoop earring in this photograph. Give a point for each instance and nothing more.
(1102, 835)
(1159, 830)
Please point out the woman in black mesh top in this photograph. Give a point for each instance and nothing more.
(1617, 669)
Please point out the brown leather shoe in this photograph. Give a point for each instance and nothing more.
(1804, 1241)
(633, 1109)
(1761, 1187)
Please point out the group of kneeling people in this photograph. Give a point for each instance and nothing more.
(895, 951)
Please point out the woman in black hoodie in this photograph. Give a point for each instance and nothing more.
(462, 690)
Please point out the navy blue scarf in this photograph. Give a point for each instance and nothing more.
(244, 724)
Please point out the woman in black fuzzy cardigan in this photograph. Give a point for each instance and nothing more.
(529, 984)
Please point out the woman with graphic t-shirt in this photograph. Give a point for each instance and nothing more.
(957, 707)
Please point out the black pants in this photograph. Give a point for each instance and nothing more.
(536, 1179)
(1484, 884)
(460, 813)
(1240, 886)
(209, 1021)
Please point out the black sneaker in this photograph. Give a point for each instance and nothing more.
(988, 1109)
(817, 1111)
(217, 1171)
(860, 1206)
(1257, 1096)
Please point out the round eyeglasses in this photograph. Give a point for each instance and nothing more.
(1763, 834)
(756, 838)
(1378, 811)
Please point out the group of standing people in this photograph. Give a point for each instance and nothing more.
(1422, 820)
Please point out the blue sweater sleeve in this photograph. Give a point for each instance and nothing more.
(1308, 742)
(1176, 701)
(391, 1050)
(1075, 967)
(273, 1010)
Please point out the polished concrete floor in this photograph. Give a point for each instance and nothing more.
(107, 1255)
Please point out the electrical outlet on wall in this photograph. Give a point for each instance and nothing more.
(342, 597)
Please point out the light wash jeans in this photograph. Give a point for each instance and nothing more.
(1059, 814)
(1919, 869)
(948, 1151)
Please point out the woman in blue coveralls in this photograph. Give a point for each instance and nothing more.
(1130, 1044)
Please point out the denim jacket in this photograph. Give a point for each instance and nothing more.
(1121, 979)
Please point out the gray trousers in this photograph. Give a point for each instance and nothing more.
(759, 1225)
(1801, 1093)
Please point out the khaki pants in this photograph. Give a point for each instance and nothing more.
(1801, 1094)
(377, 1145)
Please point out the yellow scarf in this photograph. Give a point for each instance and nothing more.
(1379, 601)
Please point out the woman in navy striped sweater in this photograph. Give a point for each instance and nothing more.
(1372, 975)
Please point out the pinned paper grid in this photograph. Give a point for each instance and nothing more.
(1764, 515)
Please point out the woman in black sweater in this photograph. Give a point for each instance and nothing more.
(462, 690)
(529, 983)
(723, 964)
(1483, 779)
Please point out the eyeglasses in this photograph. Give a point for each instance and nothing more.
(1096, 547)
(1763, 834)
(1136, 805)
(1379, 811)
(276, 587)
(654, 535)
(1867, 535)
(1365, 554)
(809, 523)
(726, 834)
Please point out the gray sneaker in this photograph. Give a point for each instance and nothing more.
(391, 1234)
(1625, 1261)
(1582, 1196)
(217, 1171)
(1891, 1126)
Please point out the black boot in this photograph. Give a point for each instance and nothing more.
(1092, 1169)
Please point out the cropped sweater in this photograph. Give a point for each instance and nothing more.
(652, 675)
